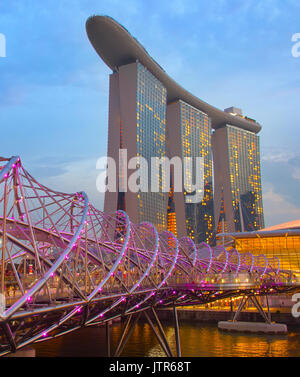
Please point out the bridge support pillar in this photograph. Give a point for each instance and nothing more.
(108, 336)
(254, 300)
(258, 306)
(161, 330)
(159, 334)
(9, 336)
(158, 337)
(125, 336)
(266, 327)
(177, 334)
(240, 308)
(268, 306)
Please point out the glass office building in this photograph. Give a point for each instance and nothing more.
(196, 142)
(137, 130)
(245, 178)
(189, 136)
(241, 179)
(150, 115)
(151, 142)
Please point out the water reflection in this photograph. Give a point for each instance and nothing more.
(197, 339)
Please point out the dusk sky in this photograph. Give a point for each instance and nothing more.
(54, 87)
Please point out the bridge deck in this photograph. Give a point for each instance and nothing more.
(64, 264)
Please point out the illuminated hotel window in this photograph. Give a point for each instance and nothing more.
(151, 142)
(244, 169)
(196, 142)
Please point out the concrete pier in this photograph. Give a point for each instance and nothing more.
(253, 327)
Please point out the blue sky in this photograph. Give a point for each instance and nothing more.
(54, 87)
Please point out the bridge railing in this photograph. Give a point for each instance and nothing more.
(57, 248)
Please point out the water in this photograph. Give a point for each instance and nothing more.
(197, 339)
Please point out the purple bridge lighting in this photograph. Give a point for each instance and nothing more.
(66, 265)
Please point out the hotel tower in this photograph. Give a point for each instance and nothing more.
(150, 115)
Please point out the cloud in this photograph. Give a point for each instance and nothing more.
(278, 156)
(281, 154)
(281, 169)
(296, 173)
(277, 208)
(75, 176)
(282, 158)
(47, 171)
(54, 87)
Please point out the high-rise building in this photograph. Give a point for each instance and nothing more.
(189, 135)
(237, 180)
(150, 115)
(137, 124)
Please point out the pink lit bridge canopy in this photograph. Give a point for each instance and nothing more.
(65, 264)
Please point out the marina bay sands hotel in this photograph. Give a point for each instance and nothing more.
(150, 115)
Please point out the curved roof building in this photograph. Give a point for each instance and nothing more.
(151, 116)
(117, 47)
(282, 240)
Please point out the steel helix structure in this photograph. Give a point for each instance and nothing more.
(65, 264)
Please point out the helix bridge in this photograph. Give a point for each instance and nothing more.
(65, 265)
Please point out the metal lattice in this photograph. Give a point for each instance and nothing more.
(65, 264)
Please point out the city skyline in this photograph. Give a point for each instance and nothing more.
(67, 84)
(152, 116)
(149, 172)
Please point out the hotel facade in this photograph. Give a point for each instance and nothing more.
(150, 115)
(237, 185)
